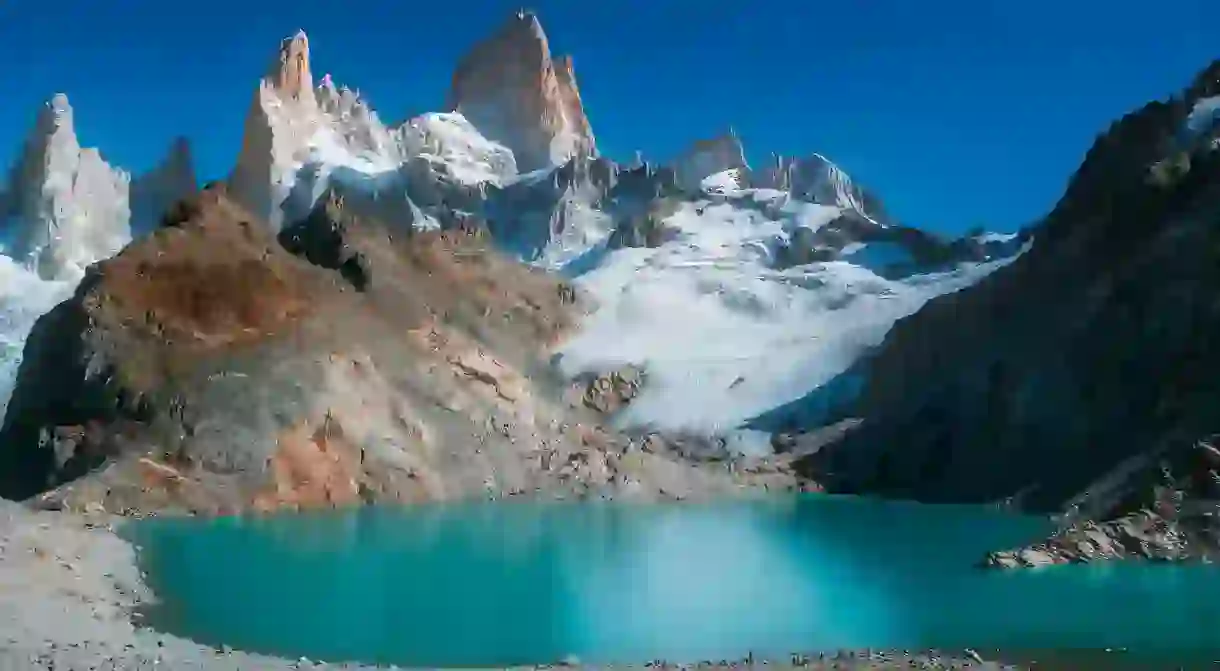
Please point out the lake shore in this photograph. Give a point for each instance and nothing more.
(69, 586)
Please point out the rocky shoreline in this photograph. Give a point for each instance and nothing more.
(1143, 535)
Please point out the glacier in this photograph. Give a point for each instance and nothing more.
(722, 334)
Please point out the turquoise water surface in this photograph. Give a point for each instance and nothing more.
(516, 583)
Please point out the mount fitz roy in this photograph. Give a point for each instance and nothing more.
(356, 304)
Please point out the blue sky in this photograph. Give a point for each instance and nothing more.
(955, 113)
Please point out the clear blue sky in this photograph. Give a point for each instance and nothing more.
(955, 113)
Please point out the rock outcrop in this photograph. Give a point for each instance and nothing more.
(1058, 381)
(512, 90)
(65, 206)
(213, 367)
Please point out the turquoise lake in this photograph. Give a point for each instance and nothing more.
(517, 583)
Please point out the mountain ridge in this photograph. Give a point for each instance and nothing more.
(795, 258)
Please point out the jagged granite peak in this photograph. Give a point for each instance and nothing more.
(66, 207)
(708, 157)
(290, 73)
(816, 179)
(512, 90)
(155, 192)
(293, 129)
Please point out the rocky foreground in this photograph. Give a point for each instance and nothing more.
(1174, 516)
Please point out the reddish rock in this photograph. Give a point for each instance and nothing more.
(512, 90)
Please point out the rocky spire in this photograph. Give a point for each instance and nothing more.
(287, 122)
(509, 87)
(283, 116)
(153, 193)
(66, 207)
(289, 74)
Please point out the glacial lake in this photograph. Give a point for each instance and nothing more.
(494, 584)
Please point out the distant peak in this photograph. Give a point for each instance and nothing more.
(59, 103)
(511, 89)
(289, 71)
(56, 113)
(708, 157)
(526, 19)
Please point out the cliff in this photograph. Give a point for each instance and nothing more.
(1060, 382)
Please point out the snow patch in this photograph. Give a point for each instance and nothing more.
(1204, 115)
(723, 336)
(450, 140)
(995, 237)
(724, 182)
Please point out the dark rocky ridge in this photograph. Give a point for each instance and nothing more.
(1059, 381)
(207, 368)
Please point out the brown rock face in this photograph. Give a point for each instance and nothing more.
(290, 74)
(509, 87)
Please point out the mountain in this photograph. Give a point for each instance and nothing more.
(1079, 378)
(714, 298)
(154, 193)
(329, 365)
(65, 207)
(509, 87)
(296, 137)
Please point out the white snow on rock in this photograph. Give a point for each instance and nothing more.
(296, 137)
(66, 207)
(722, 335)
(725, 182)
(449, 141)
(1204, 115)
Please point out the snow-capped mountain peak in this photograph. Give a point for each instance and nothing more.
(65, 206)
(816, 179)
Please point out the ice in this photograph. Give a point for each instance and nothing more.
(722, 335)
